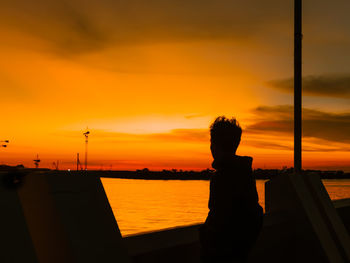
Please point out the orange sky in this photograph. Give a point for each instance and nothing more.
(149, 79)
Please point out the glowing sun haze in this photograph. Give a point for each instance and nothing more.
(148, 77)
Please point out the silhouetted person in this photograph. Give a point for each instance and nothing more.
(235, 217)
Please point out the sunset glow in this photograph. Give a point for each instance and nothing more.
(148, 79)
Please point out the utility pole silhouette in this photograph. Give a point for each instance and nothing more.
(297, 85)
(78, 161)
(86, 134)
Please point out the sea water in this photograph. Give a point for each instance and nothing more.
(148, 205)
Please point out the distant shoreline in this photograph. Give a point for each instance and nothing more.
(145, 174)
(188, 175)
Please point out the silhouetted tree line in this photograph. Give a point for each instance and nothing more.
(175, 174)
(205, 174)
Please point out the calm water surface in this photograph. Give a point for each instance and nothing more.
(147, 205)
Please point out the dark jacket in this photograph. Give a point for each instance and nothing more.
(235, 217)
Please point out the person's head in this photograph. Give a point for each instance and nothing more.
(225, 136)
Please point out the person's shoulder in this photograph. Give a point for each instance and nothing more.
(244, 160)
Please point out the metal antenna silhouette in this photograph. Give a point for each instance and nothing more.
(79, 166)
(5, 142)
(37, 161)
(86, 134)
(55, 165)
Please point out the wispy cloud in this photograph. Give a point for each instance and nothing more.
(81, 26)
(272, 129)
(175, 136)
(263, 144)
(183, 135)
(193, 116)
(337, 86)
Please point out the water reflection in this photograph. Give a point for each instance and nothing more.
(145, 205)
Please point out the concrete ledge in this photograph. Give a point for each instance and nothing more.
(275, 244)
(181, 244)
(178, 244)
(341, 203)
(343, 209)
(167, 238)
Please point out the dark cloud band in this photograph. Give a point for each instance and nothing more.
(316, 124)
(77, 26)
(337, 86)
